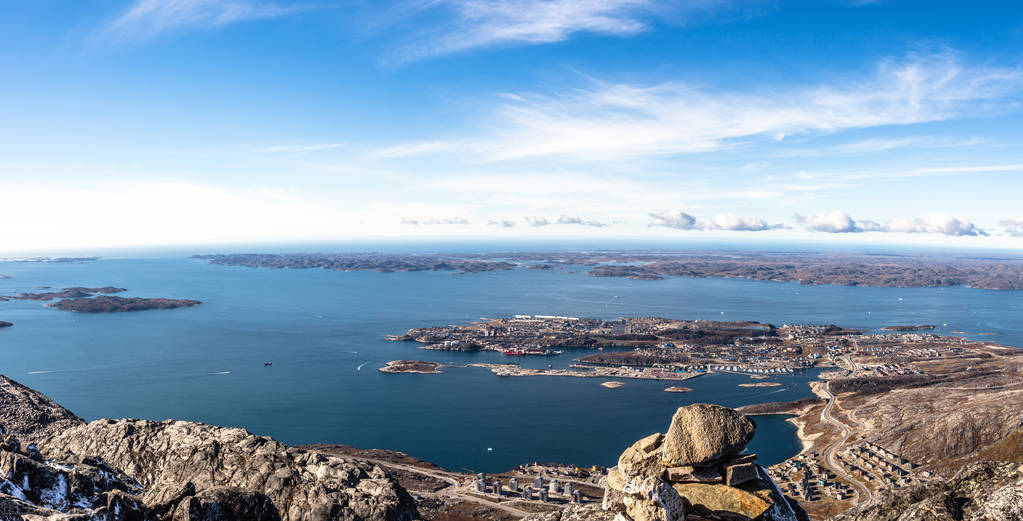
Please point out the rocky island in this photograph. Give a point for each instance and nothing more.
(105, 304)
(410, 366)
(99, 300)
(922, 327)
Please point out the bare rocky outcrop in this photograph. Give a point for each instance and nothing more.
(139, 470)
(29, 414)
(89, 488)
(984, 491)
(304, 486)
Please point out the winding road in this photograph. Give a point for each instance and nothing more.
(862, 492)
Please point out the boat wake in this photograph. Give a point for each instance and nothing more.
(219, 372)
(360, 366)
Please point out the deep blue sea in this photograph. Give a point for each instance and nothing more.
(324, 330)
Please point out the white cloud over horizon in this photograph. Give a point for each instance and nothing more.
(933, 223)
(1013, 227)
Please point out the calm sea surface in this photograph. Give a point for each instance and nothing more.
(324, 330)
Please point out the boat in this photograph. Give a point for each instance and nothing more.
(267, 364)
(514, 352)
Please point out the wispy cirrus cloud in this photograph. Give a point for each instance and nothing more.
(146, 19)
(615, 121)
(299, 149)
(472, 24)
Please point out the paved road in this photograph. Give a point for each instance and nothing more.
(862, 492)
(453, 491)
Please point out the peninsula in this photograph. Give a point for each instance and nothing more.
(885, 270)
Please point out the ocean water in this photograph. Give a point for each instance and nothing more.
(324, 331)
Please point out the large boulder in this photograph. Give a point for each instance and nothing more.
(704, 434)
(303, 486)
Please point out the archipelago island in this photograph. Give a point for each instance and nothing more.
(99, 300)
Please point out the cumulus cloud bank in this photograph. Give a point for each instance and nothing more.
(841, 222)
(502, 223)
(732, 222)
(1013, 227)
(536, 220)
(447, 220)
(567, 219)
(834, 222)
(676, 219)
(934, 223)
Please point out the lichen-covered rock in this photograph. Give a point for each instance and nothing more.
(303, 486)
(985, 491)
(702, 434)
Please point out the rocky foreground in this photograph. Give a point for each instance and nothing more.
(55, 466)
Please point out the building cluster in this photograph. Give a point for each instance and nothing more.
(885, 370)
(877, 465)
(535, 489)
(805, 478)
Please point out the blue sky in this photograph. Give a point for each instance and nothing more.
(161, 122)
